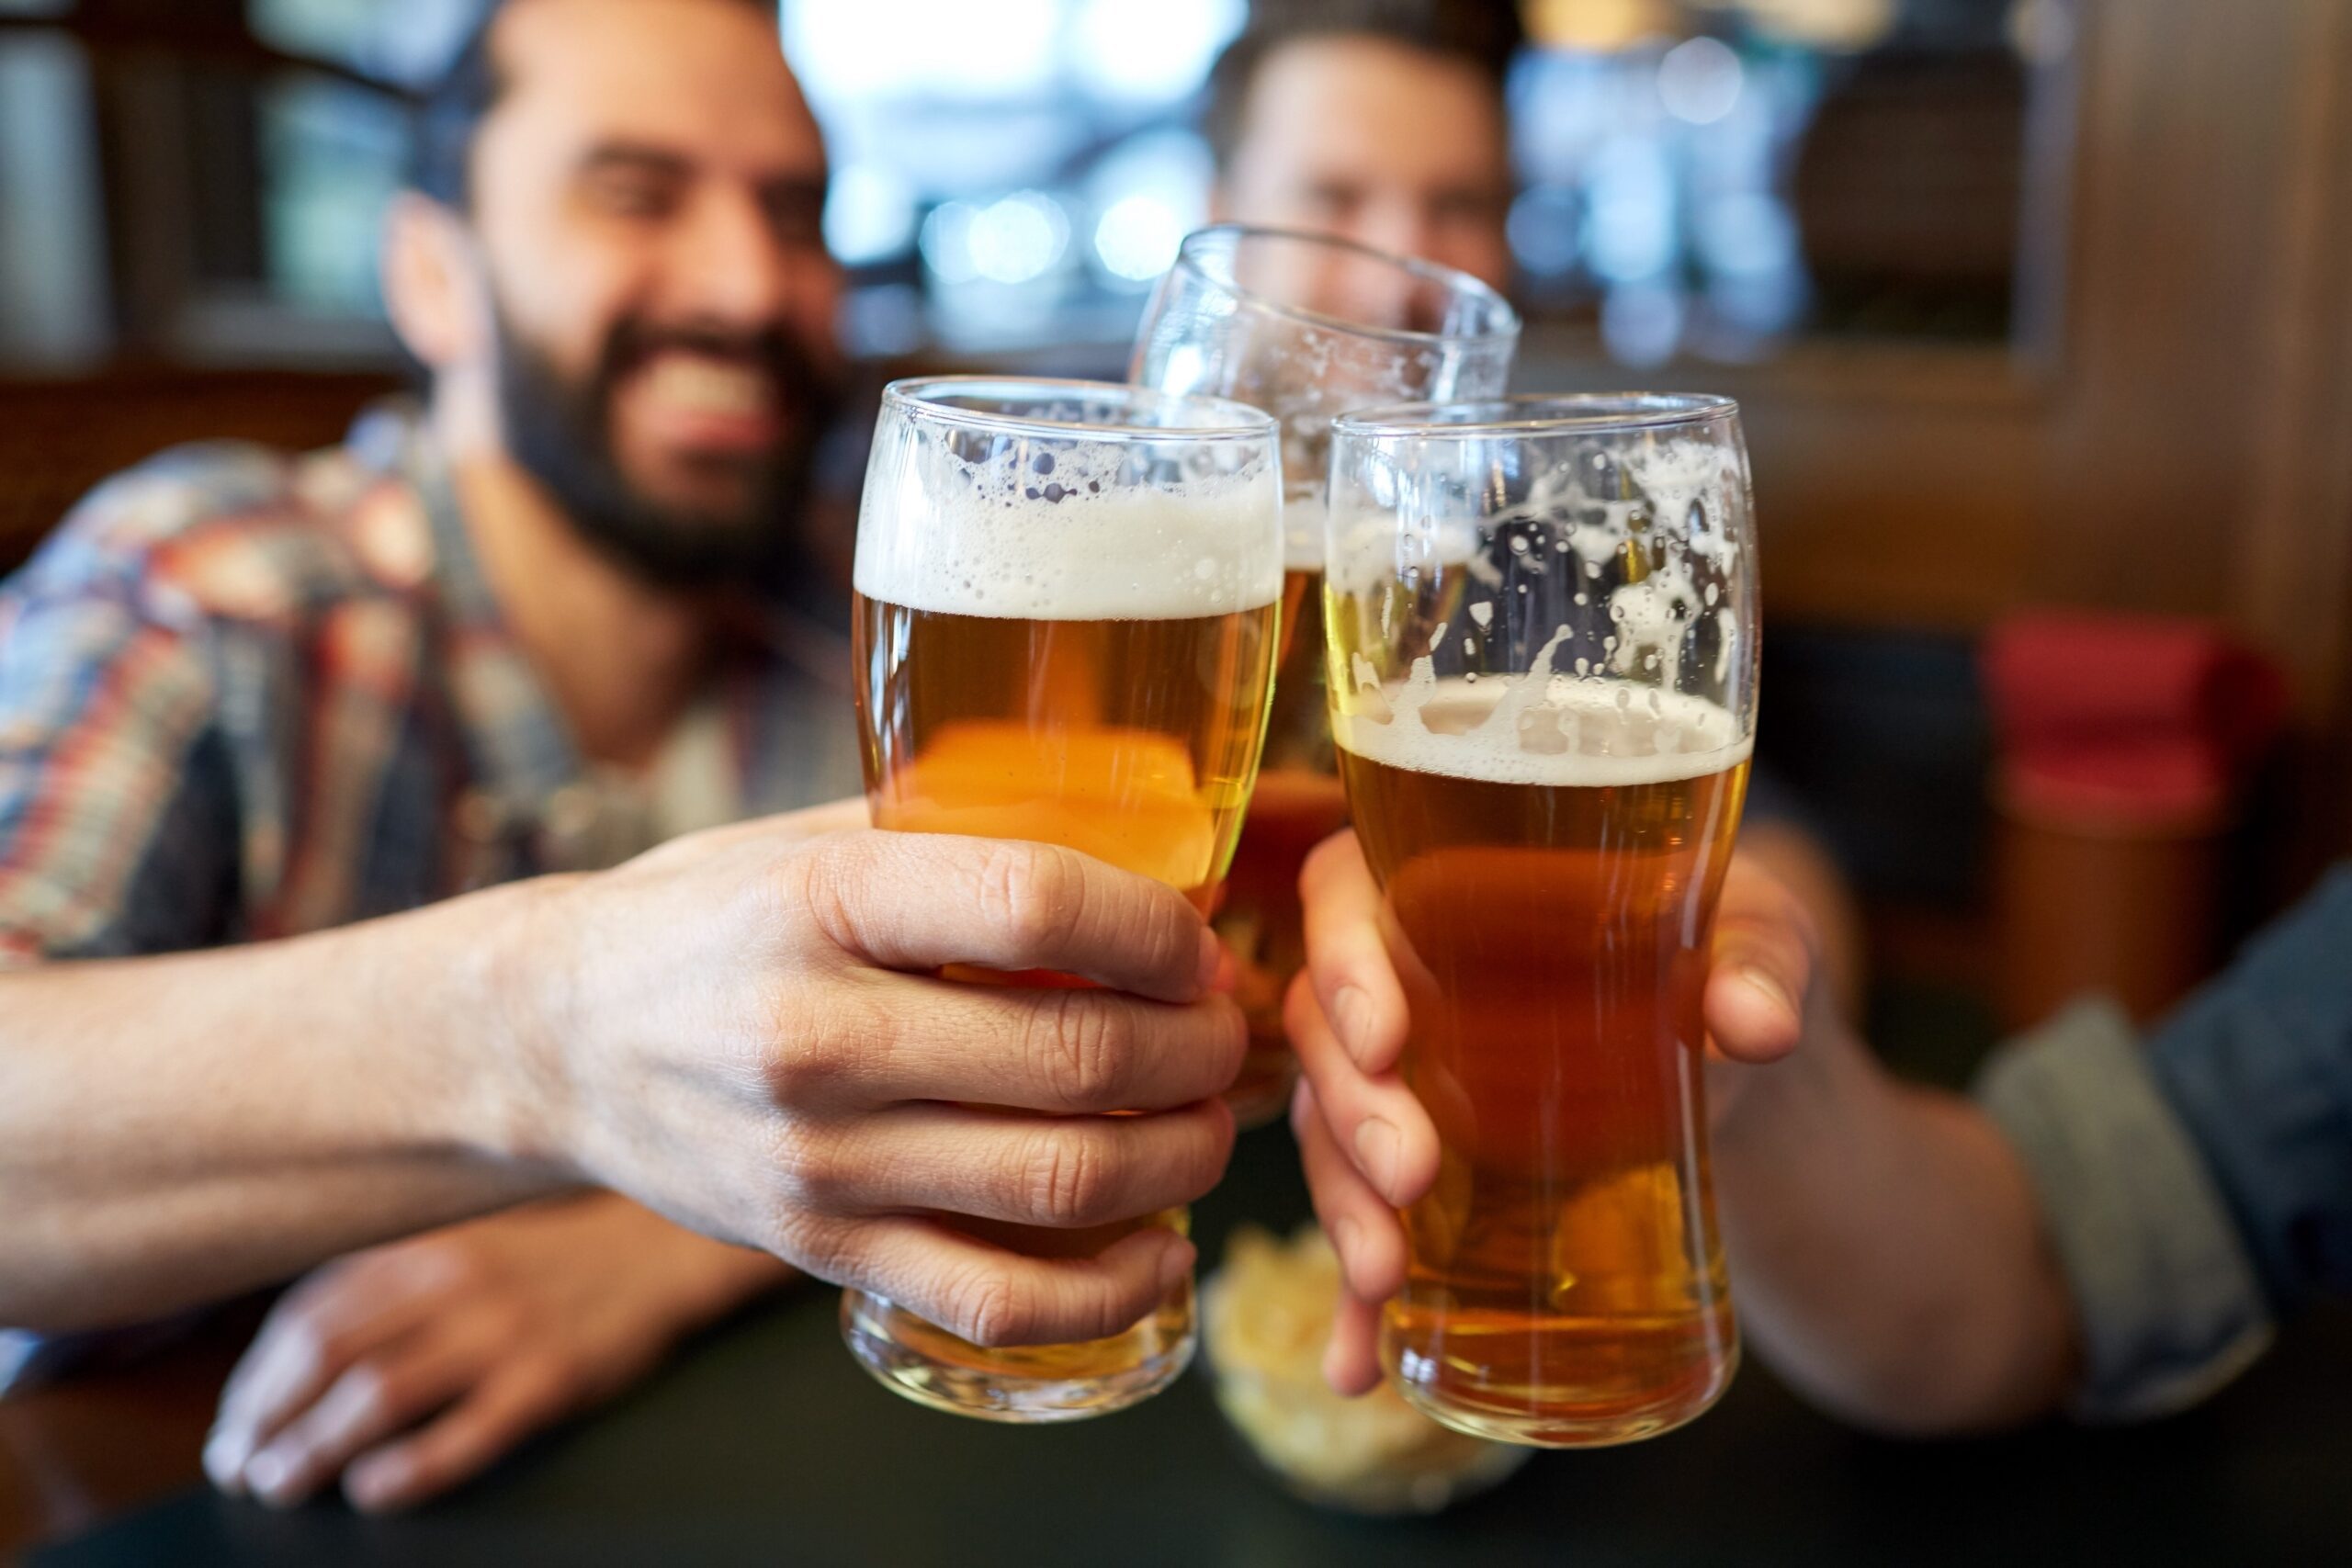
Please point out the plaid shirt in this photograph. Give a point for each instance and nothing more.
(244, 696)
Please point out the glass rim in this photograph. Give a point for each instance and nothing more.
(1188, 259)
(920, 397)
(1536, 414)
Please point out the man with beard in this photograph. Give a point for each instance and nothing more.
(247, 701)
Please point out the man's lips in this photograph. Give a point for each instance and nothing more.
(705, 401)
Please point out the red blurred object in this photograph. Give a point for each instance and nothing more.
(2124, 743)
(2125, 720)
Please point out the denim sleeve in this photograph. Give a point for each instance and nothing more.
(2259, 1066)
(2170, 1304)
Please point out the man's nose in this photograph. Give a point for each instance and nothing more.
(1401, 228)
(1377, 292)
(727, 266)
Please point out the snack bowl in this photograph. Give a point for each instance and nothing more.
(1266, 1316)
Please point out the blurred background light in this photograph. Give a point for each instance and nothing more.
(1699, 81)
(1641, 323)
(1746, 235)
(1149, 191)
(951, 48)
(1542, 229)
(1018, 237)
(2041, 31)
(1137, 238)
(410, 43)
(946, 242)
(53, 279)
(869, 213)
(1629, 225)
(1148, 50)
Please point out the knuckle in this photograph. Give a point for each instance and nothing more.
(455, 1269)
(817, 883)
(814, 1055)
(366, 1389)
(1064, 1177)
(987, 1308)
(1082, 1050)
(808, 1174)
(312, 1346)
(1034, 892)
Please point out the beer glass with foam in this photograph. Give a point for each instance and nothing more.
(1065, 631)
(1305, 326)
(1541, 637)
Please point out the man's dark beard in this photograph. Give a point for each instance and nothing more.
(560, 431)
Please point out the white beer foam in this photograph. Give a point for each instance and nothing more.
(1156, 553)
(1543, 728)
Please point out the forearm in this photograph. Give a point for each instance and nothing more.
(1887, 1250)
(175, 1129)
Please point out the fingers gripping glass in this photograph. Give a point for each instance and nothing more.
(1065, 622)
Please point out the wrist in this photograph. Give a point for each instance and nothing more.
(1784, 1105)
(523, 983)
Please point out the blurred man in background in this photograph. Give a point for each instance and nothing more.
(245, 698)
(1378, 121)
(1384, 121)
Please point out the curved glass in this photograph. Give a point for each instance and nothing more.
(1306, 327)
(1541, 621)
(1065, 624)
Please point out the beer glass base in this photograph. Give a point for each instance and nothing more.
(1509, 1420)
(883, 1338)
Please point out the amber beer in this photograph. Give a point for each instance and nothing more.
(1133, 740)
(1552, 913)
(1298, 804)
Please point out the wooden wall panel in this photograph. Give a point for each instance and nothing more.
(2171, 432)
(59, 438)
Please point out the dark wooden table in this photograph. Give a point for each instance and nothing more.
(89, 1448)
(764, 1444)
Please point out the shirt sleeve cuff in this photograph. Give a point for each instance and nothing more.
(2170, 1305)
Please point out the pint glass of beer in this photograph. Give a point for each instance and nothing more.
(1542, 641)
(1065, 631)
(1305, 326)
